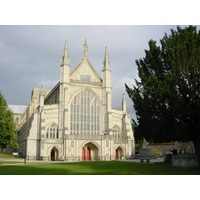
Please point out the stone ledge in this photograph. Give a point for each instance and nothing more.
(188, 161)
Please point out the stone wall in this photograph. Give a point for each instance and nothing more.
(187, 161)
(164, 147)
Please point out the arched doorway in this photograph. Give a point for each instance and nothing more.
(118, 153)
(54, 154)
(89, 152)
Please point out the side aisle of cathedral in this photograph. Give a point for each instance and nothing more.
(75, 120)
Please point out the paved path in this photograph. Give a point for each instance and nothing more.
(22, 161)
(151, 160)
(47, 162)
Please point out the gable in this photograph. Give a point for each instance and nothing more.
(85, 72)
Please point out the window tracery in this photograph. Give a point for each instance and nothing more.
(116, 132)
(52, 131)
(84, 114)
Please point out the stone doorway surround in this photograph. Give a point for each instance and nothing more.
(54, 154)
(118, 153)
(89, 152)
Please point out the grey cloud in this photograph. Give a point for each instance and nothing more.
(27, 53)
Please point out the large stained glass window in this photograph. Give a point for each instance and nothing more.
(84, 114)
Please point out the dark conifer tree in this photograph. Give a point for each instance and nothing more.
(167, 96)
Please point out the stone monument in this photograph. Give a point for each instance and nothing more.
(145, 152)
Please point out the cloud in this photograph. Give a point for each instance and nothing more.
(118, 89)
(29, 52)
(47, 84)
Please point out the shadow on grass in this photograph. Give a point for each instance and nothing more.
(95, 168)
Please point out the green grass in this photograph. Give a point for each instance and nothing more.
(95, 168)
(6, 155)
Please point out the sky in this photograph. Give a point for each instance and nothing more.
(30, 55)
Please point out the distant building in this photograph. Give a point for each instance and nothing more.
(75, 120)
(18, 111)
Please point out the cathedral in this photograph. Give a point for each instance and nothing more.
(75, 120)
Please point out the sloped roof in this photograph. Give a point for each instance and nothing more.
(17, 109)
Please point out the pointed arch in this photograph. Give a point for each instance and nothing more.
(92, 142)
(120, 146)
(89, 151)
(87, 89)
(54, 152)
(119, 153)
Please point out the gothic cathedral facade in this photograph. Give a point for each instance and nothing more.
(75, 121)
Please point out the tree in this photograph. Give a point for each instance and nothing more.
(167, 96)
(8, 135)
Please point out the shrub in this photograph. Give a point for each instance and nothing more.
(156, 152)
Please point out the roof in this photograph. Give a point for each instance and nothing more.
(17, 109)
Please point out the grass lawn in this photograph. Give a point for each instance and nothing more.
(95, 168)
(6, 155)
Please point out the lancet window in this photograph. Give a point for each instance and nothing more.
(52, 131)
(84, 114)
(17, 120)
(116, 132)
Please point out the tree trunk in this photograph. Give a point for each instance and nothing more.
(197, 149)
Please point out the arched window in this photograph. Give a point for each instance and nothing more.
(17, 120)
(116, 132)
(52, 131)
(84, 114)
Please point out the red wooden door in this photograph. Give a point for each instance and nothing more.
(83, 154)
(88, 154)
(116, 155)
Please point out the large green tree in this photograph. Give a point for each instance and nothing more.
(8, 134)
(167, 96)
